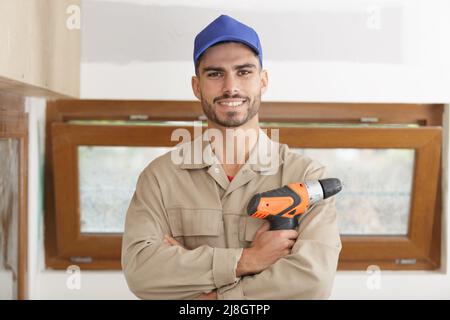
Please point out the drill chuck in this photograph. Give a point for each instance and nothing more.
(322, 189)
(330, 187)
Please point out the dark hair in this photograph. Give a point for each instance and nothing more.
(201, 56)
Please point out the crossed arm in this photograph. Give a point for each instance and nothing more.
(267, 248)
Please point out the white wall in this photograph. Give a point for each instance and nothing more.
(416, 70)
(379, 51)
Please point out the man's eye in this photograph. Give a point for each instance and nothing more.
(214, 74)
(244, 72)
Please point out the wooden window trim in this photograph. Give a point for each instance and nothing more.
(103, 248)
(424, 247)
(384, 113)
(14, 125)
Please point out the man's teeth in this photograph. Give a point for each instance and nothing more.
(232, 104)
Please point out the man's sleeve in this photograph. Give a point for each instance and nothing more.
(308, 272)
(154, 270)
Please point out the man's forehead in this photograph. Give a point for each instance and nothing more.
(228, 55)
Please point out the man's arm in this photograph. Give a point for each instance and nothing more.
(266, 249)
(308, 271)
(153, 269)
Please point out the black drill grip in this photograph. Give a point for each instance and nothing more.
(283, 223)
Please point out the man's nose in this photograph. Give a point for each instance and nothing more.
(230, 85)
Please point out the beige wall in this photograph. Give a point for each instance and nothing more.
(39, 54)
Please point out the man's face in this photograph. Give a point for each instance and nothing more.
(229, 84)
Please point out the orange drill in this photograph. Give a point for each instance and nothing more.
(283, 206)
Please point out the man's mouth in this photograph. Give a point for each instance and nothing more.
(231, 102)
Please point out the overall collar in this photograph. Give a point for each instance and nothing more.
(265, 156)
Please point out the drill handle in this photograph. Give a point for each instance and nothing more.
(283, 223)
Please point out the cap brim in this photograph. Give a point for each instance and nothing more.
(222, 39)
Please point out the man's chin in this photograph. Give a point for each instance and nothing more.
(229, 120)
(231, 123)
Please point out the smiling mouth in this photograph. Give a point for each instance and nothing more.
(234, 103)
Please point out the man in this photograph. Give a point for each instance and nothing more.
(187, 235)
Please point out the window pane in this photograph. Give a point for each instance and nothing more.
(108, 177)
(377, 185)
(9, 217)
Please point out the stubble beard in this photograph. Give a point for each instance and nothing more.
(231, 120)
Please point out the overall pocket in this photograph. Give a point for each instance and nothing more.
(196, 227)
(247, 229)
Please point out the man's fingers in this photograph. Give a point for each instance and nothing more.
(291, 234)
(263, 228)
(171, 241)
(286, 234)
(291, 243)
(208, 296)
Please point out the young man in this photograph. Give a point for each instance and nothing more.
(187, 234)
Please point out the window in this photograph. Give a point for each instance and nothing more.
(377, 188)
(105, 191)
(388, 157)
(390, 182)
(13, 197)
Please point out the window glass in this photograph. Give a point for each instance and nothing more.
(9, 217)
(377, 185)
(107, 180)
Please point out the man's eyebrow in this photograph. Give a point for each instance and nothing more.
(245, 65)
(212, 68)
(237, 67)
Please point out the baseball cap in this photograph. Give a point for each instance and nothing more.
(225, 28)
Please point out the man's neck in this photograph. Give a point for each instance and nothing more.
(236, 148)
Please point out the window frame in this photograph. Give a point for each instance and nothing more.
(14, 125)
(104, 248)
(388, 251)
(64, 246)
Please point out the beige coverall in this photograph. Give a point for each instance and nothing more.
(199, 207)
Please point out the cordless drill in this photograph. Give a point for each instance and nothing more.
(283, 206)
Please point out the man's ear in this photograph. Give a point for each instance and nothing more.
(264, 81)
(196, 86)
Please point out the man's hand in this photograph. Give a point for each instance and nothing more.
(171, 241)
(208, 296)
(265, 250)
(204, 296)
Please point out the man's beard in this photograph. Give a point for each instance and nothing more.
(231, 121)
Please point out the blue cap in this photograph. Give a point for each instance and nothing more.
(225, 28)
